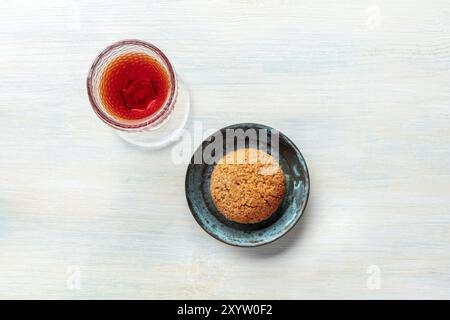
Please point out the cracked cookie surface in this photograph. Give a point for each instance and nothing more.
(247, 185)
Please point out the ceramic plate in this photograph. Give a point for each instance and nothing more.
(197, 187)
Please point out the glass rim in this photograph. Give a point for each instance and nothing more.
(160, 114)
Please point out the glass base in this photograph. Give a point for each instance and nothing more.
(169, 131)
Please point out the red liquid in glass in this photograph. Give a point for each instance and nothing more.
(134, 86)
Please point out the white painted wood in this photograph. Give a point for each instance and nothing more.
(361, 86)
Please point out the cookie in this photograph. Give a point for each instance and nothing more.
(247, 185)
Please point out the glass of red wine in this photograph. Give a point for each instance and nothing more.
(133, 88)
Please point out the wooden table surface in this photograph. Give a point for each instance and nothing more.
(362, 87)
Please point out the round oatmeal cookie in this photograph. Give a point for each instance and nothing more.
(247, 185)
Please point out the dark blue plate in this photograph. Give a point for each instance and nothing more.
(198, 177)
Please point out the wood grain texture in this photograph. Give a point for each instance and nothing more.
(362, 87)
